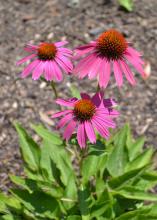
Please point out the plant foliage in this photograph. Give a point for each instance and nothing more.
(115, 180)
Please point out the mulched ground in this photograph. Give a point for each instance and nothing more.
(79, 22)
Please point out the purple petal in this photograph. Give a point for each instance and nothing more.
(104, 75)
(86, 46)
(29, 68)
(58, 114)
(90, 132)
(98, 98)
(136, 63)
(133, 52)
(84, 64)
(63, 65)
(61, 43)
(25, 59)
(69, 102)
(38, 71)
(108, 103)
(106, 121)
(85, 96)
(65, 120)
(49, 71)
(118, 73)
(69, 130)
(129, 75)
(66, 61)
(94, 68)
(108, 112)
(81, 136)
(100, 128)
(57, 72)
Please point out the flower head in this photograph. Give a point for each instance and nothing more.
(48, 59)
(111, 48)
(85, 116)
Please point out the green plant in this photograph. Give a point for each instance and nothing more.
(115, 179)
(127, 4)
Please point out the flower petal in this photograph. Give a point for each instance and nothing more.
(100, 128)
(25, 59)
(136, 63)
(69, 130)
(61, 43)
(104, 75)
(29, 68)
(81, 135)
(38, 70)
(85, 96)
(129, 75)
(57, 72)
(58, 114)
(118, 73)
(98, 98)
(69, 102)
(65, 120)
(90, 132)
(106, 121)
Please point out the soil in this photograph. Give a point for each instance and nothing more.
(78, 21)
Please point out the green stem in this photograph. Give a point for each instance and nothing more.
(98, 88)
(54, 89)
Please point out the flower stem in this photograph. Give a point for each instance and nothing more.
(54, 89)
(98, 88)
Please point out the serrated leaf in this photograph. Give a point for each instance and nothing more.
(127, 4)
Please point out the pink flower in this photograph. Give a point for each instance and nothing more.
(110, 48)
(48, 59)
(86, 115)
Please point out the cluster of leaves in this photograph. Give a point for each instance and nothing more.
(114, 182)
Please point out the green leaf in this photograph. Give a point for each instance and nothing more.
(39, 203)
(84, 202)
(92, 164)
(70, 193)
(136, 148)
(10, 201)
(29, 149)
(133, 193)
(74, 217)
(118, 158)
(36, 185)
(74, 91)
(60, 158)
(47, 135)
(125, 178)
(147, 180)
(140, 161)
(127, 4)
(103, 205)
